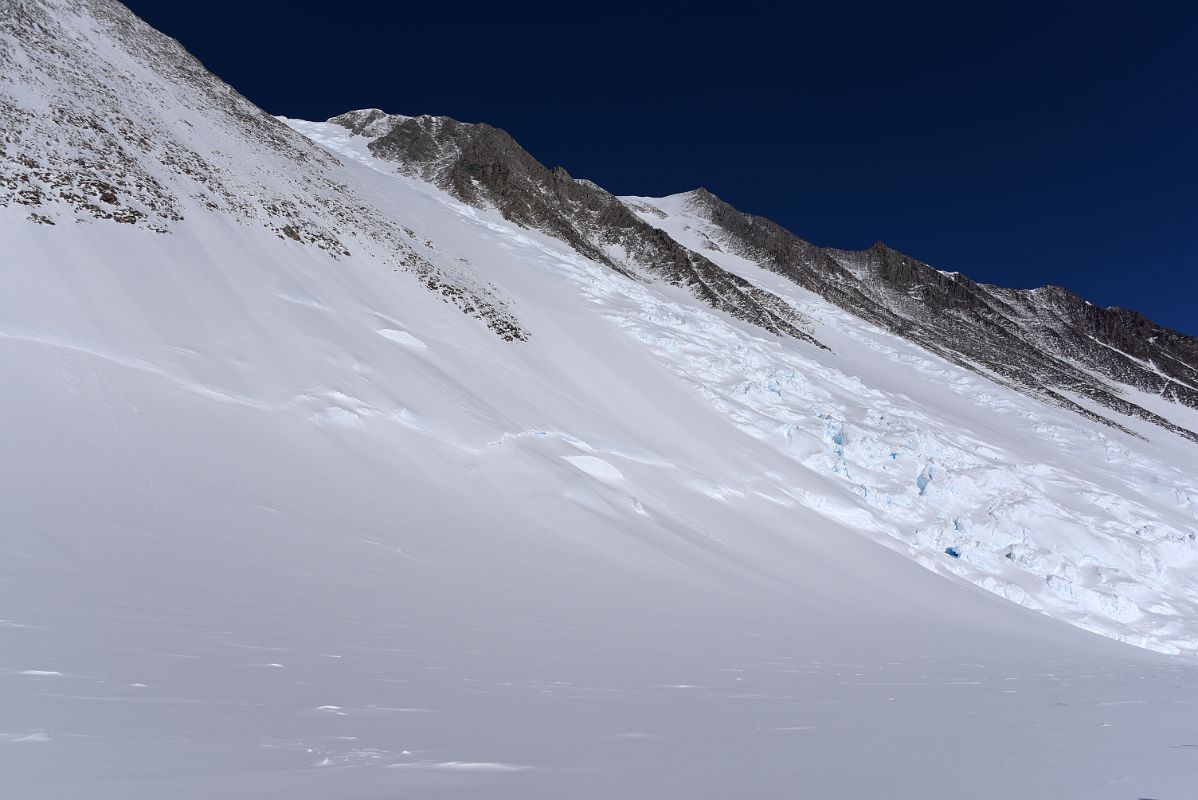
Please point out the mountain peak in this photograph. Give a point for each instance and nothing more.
(484, 166)
(367, 121)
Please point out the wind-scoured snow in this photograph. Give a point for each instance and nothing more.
(280, 522)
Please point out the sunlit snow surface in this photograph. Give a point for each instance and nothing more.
(1056, 513)
(279, 526)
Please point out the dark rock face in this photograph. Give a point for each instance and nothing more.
(1048, 342)
(482, 165)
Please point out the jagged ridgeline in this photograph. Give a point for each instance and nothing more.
(1047, 342)
(483, 165)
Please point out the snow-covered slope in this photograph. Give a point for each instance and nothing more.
(1089, 524)
(281, 522)
(106, 120)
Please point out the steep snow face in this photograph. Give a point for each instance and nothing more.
(1084, 522)
(106, 120)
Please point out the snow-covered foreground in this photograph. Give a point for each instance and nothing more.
(280, 526)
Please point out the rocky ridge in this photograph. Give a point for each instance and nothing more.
(1047, 342)
(483, 165)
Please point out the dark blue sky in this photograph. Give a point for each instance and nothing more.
(1019, 144)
